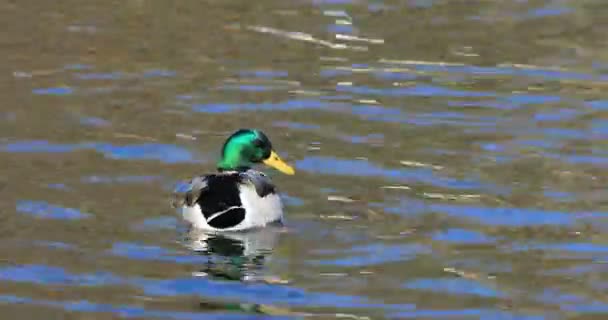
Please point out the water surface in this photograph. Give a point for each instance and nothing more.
(450, 158)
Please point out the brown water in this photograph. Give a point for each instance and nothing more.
(450, 158)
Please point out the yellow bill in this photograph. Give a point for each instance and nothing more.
(275, 161)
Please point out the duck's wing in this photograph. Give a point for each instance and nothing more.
(189, 193)
(262, 183)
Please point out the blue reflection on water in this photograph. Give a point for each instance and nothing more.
(57, 91)
(505, 216)
(296, 125)
(417, 90)
(463, 236)
(154, 73)
(264, 74)
(201, 287)
(48, 275)
(598, 104)
(45, 210)
(333, 166)
(130, 311)
(251, 293)
(148, 252)
(580, 248)
(78, 66)
(166, 153)
(548, 11)
(545, 74)
(149, 151)
(251, 87)
(231, 107)
(465, 314)
(373, 254)
(99, 76)
(158, 223)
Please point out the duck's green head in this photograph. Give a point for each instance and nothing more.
(247, 147)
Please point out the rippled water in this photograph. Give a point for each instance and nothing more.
(451, 158)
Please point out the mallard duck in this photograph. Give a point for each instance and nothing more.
(237, 197)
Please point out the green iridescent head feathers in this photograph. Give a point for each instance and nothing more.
(247, 147)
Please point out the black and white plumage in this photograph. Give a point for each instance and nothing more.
(230, 201)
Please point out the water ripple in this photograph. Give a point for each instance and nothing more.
(141, 252)
(457, 286)
(506, 216)
(417, 90)
(57, 91)
(343, 167)
(48, 275)
(148, 151)
(463, 236)
(443, 171)
(127, 311)
(369, 255)
(45, 210)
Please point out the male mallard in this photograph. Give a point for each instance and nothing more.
(237, 197)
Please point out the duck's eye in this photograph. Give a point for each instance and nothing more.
(258, 143)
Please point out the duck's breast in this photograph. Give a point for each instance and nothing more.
(260, 211)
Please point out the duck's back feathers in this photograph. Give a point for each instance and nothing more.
(230, 200)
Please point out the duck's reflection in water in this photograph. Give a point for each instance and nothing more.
(236, 256)
(241, 256)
